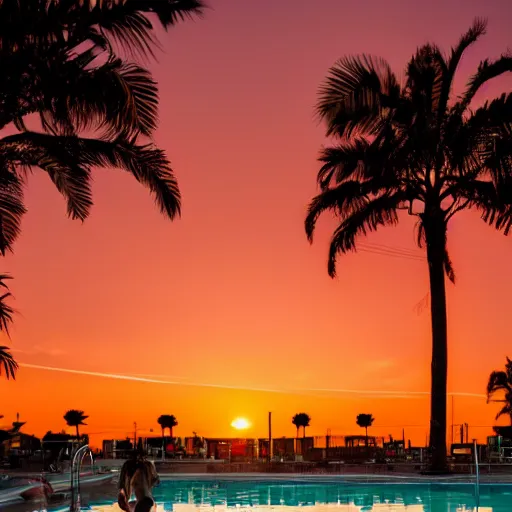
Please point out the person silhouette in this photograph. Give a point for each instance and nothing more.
(140, 476)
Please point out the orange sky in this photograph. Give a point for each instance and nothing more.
(232, 294)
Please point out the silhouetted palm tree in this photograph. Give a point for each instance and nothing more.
(365, 421)
(74, 418)
(59, 61)
(411, 147)
(167, 421)
(501, 381)
(301, 419)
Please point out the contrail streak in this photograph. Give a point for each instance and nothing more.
(383, 392)
(133, 378)
(147, 380)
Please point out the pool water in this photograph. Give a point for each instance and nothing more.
(294, 496)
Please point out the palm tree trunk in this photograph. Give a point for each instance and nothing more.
(436, 240)
(163, 443)
(366, 437)
(304, 432)
(77, 432)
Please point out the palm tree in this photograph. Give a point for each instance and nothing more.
(411, 147)
(501, 381)
(301, 419)
(59, 62)
(365, 421)
(74, 418)
(167, 421)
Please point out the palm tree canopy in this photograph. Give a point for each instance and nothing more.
(412, 147)
(301, 419)
(74, 417)
(365, 420)
(7, 362)
(102, 23)
(167, 421)
(60, 63)
(501, 382)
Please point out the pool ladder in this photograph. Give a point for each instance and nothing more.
(76, 464)
(477, 479)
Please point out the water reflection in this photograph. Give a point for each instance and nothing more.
(244, 496)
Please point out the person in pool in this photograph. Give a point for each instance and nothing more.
(138, 475)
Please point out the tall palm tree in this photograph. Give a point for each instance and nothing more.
(59, 61)
(301, 419)
(75, 418)
(168, 421)
(365, 421)
(501, 381)
(411, 147)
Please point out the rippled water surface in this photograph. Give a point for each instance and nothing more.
(293, 496)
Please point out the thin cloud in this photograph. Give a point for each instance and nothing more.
(394, 394)
(38, 350)
(135, 378)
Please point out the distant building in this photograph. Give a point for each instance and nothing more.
(20, 444)
(233, 449)
(117, 448)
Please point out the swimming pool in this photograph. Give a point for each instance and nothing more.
(295, 496)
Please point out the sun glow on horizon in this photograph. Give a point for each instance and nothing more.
(240, 424)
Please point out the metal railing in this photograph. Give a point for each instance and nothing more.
(477, 475)
(76, 464)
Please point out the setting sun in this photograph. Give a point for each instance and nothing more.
(240, 424)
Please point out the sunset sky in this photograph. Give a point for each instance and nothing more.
(230, 306)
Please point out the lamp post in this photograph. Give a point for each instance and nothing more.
(269, 437)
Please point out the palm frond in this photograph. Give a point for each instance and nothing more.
(379, 211)
(381, 160)
(148, 164)
(477, 29)
(498, 381)
(493, 203)
(342, 162)
(6, 311)
(426, 74)
(354, 94)
(119, 97)
(343, 200)
(169, 12)
(487, 70)
(126, 21)
(506, 410)
(71, 23)
(12, 207)
(448, 267)
(69, 160)
(8, 362)
(60, 158)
